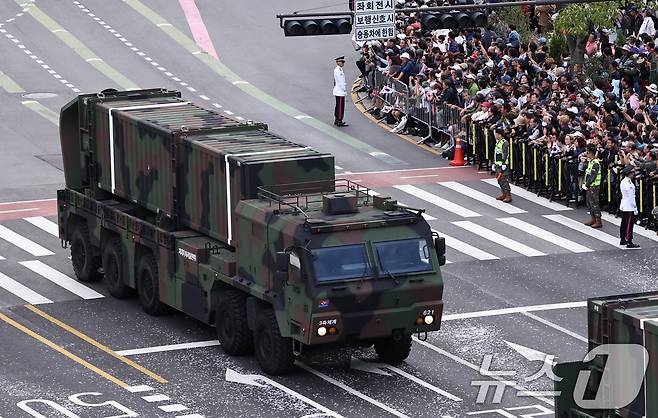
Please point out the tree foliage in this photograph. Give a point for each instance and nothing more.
(577, 19)
(512, 15)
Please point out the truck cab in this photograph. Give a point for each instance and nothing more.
(342, 267)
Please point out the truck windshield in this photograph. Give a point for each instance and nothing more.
(405, 256)
(340, 263)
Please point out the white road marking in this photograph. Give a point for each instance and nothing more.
(555, 326)
(477, 369)
(171, 347)
(23, 243)
(531, 354)
(190, 416)
(481, 197)
(61, 279)
(545, 235)
(514, 310)
(173, 407)
(637, 230)
(352, 391)
(45, 224)
(499, 239)
(523, 193)
(204, 97)
(262, 381)
(228, 112)
(299, 117)
(217, 105)
(419, 177)
(235, 83)
(156, 398)
(378, 368)
(467, 249)
(27, 209)
(21, 291)
(139, 388)
(580, 227)
(437, 201)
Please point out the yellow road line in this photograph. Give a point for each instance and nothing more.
(9, 85)
(96, 344)
(80, 48)
(63, 351)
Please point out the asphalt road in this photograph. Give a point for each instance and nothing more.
(517, 280)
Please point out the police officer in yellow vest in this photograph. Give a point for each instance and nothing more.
(501, 164)
(592, 187)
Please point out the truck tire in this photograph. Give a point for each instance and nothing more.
(148, 286)
(231, 323)
(85, 264)
(273, 352)
(393, 351)
(113, 267)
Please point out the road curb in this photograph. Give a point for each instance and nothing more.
(362, 109)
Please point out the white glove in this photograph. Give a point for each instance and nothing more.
(585, 187)
(503, 167)
(635, 212)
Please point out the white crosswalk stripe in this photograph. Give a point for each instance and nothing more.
(499, 239)
(22, 291)
(637, 230)
(23, 243)
(524, 194)
(45, 224)
(580, 227)
(465, 248)
(545, 235)
(437, 201)
(482, 197)
(61, 279)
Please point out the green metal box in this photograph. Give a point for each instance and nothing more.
(180, 161)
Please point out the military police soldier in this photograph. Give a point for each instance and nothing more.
(501, 163)
(627, 208)
(340, 91)
(592, 187)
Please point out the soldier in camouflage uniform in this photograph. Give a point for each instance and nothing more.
(592, 187)
(501, 162)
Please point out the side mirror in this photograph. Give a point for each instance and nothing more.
(282, 261)
(440, 247)
(281, 274)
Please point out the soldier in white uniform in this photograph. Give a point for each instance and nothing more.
(340, 91)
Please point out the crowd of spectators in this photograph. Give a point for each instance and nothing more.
(500, 80)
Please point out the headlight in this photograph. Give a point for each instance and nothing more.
(322, 331)
(429, 319)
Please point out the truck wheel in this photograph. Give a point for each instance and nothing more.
(85, 265)
(392, 351)
(274, 352)
(231, 323)
(114, 270)
(148, 286)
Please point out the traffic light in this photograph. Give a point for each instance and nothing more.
(318, 26)
(454, 20)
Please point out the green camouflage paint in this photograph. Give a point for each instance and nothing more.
(214, 201)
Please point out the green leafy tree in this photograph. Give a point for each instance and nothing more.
(512, 15)
(575, 21)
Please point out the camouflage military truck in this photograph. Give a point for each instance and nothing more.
(240, 229)
(619, 379)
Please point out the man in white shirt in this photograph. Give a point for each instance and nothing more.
(627, 208)
(340, 91)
